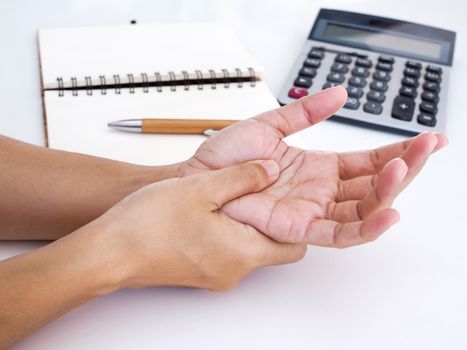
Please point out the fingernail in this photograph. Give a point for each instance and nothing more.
(271, 167)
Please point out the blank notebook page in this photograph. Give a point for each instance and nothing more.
(79, 124)
(77, 118)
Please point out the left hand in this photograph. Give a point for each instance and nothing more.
(322, 198)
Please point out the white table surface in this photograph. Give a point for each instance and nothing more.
(408, 290)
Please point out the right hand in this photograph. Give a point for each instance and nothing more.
(172, 232)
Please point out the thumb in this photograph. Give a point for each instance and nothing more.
(229, 183)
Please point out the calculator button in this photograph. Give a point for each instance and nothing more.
(378, 85)
(430, 97)
(316, 53)
(363, 62)
(336, 77)
(408, 91)
(307, 72)
(375, 96)
(360, 72)
(413, 64)
(297, 92)
(373, 108)
(409, 81)
(434, 69)
(435, 78)
(352, 103)
(428, 107)
(430, 86)
(381, 75)
(357, 81)
(386, 59)
(302, 82)
(403, 108)
(339, 68)
(343, 58)
(312, 62)
(354, 91)
(412, 72)
(426, 119)
(328, 85)
(387, 67)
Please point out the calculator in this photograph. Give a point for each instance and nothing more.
(396, 73)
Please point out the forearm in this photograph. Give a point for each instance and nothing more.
(40, 286)
(46, 194)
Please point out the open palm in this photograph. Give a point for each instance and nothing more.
(323, 198)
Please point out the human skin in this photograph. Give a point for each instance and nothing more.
(322, 198)
(150, 238)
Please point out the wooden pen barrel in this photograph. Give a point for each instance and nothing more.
(183, 126)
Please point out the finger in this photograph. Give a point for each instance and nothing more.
(266, 251)
(416, 156)
(276, 253)
(328, 233)
(355, 189)
(353, 164)
(305, 112)
(387, 186)
(260, 250)
(227, 184)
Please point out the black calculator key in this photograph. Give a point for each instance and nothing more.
(308, 72)
(408, 91)
(360, 72)
(352, 103)
(354, 91)
(435, 78)
(434, 69)
(412, 72)
(339, 68)
(430, 86)
(312, 62)
(378, 85)
(413, 64)
(343, 58)
(426, 119)
(430, 96)
(403, 108)
(375, 96)
(328, 85)
(363, 62)
(357, 81)
(373, 108)
(316, 53)
(381, 75)
(387, 67)
(386, 59)
(336, 77)
(409, 81)
(428, 107)
(302, 82)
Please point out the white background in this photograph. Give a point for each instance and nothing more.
(408, 290)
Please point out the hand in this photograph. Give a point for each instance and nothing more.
(172, 232)
(322, 198)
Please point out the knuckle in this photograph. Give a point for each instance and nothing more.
(253, 173)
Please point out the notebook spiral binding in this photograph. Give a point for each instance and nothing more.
(201, 81)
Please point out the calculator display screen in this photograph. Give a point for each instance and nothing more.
(382, 40)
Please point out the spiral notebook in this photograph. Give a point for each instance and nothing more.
(91, 76)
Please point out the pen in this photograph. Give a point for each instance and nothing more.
(206, 127)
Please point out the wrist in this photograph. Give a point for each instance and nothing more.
(89, 257)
